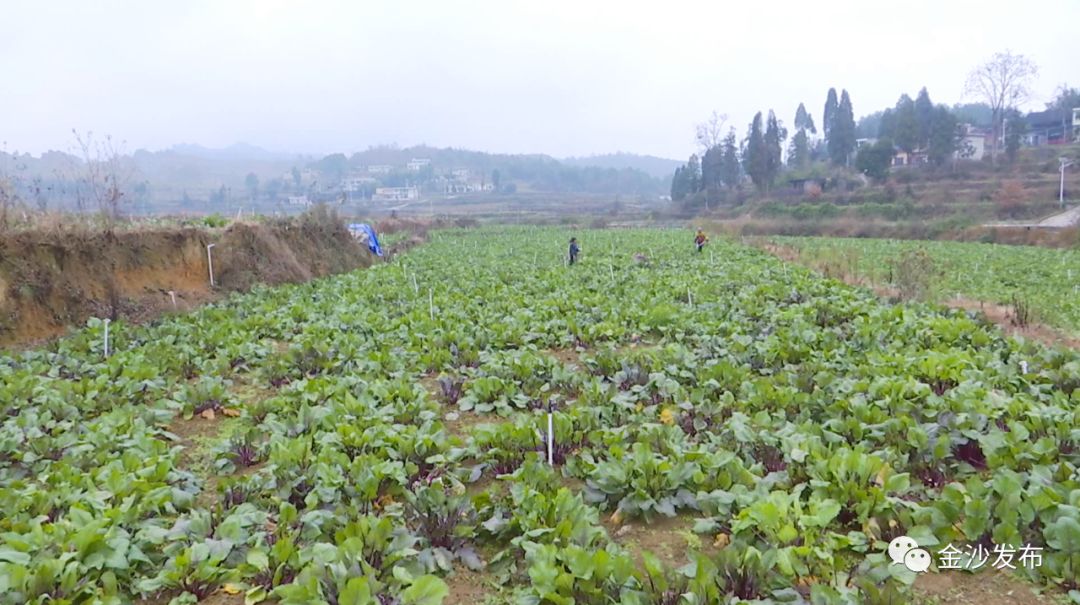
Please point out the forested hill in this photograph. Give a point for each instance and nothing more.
(533, 171)
(235, 152)
(661, 168)
(194, 178)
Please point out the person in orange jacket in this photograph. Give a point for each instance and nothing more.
(700, 239)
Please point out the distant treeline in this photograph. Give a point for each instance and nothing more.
(533, 171)
(933, 133)
(196, 179)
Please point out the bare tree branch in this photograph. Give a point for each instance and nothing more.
(10, 184)
(105, 175)
(710, 133)
(1002, 83)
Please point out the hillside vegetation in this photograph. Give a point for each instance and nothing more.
(914, 203)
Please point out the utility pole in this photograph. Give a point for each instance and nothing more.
(1000, 141)
(1065, 163)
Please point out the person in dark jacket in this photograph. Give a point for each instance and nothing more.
(574, 250)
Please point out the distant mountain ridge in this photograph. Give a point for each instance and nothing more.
(653, 166)
(190, 175)
(235, 152)
(656, 167)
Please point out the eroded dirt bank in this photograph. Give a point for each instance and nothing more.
(50, 282)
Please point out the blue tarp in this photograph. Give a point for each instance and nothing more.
(365, 232)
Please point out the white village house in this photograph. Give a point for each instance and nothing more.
(307, 175)
(973, 143)
(396, 194)
(351, 184)
(418, 164)
(1051, 127)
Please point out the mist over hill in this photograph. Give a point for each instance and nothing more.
(536, 172)
(192, 178)
(661, 168)
(235, 152)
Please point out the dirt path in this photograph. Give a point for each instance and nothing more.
(986, 588)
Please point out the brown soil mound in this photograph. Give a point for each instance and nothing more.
(50, 282)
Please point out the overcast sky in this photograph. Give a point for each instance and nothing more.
(572, 77)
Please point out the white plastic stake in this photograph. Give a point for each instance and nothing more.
(172, 295)
(416, 287)
(210, 263)
(107, 321)
(551, 440)
(690, 298)
(1023, 367)
(431, 303)
(611, 267)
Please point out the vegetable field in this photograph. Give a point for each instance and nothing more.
(381, 437)
(1047, 279)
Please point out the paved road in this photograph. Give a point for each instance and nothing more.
(1063, 219)
(401, 206)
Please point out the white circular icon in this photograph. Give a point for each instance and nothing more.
(917, 560)
(900, 547)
